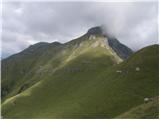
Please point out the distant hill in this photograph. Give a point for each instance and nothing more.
(94, 76)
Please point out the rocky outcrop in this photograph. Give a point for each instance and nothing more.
(123, 51)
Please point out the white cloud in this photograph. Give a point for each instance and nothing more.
(133, 23)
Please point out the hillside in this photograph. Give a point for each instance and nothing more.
(89, 77)
(148, 110)
(22, 70)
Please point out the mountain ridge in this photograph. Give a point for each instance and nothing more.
(92, 33)
(56, 51)
(150, 89)
(83, 78)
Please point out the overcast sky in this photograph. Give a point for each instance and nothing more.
(24, 23)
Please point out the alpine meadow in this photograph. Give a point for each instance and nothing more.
(94, 76)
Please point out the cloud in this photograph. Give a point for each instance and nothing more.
(133, 23)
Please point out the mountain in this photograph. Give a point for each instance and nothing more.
(123, 51)
(93, 76)
(33, 60)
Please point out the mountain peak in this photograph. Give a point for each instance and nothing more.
(95, 31)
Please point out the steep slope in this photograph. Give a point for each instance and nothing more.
(123, 51)
(22, 70)
(25, 64)
(89, 84)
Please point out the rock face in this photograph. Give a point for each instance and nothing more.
(122, 51)
(95, 31)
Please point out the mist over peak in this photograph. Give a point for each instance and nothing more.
(64, 21)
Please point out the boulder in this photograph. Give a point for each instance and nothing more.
(137, 69)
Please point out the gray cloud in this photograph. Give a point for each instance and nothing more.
(133, 23)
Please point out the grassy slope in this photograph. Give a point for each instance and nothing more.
(91, 89)
(148, 110)
(22, 69)
(26, 69)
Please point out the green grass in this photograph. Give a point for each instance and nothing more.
(88, 86)
(28, 68)
(148, 110)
